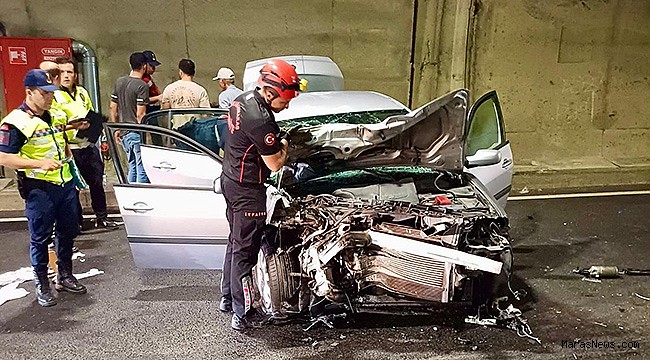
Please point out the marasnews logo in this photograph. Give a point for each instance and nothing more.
(596, 344)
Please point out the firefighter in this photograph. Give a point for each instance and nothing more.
(32, 141)
(253, 149)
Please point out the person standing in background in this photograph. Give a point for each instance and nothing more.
(154, 93)
(129, 104)
(185, 93)
(226, 79)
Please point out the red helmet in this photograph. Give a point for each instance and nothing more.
(281, 76)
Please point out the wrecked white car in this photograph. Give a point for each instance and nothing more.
(378, 206)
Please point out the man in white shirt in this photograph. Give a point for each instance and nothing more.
(185, 93)
(226, 79)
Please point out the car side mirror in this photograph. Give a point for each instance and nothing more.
(483, 157)
(216, 186)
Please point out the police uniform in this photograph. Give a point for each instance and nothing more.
(86, 155)
(253, 133)
(50, 196)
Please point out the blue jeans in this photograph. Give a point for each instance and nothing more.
(43, 207)
(131, 144)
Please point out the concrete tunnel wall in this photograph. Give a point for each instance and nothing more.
(572, 75)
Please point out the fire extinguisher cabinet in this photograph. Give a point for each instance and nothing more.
(20, 54)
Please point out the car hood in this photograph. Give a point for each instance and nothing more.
(432, 135)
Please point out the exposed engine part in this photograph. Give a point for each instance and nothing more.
(350, 245)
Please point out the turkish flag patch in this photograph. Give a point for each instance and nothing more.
(269, 139)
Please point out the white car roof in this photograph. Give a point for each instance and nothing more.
(337, 102)
(322, 72)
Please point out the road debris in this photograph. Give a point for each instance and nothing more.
(642, 297)
(22, 275)
(89, 273)
(609, 272)
(12, 292)
(592, 280)
(600, 324)
(78, 255)
(326, 320)
(509, 318)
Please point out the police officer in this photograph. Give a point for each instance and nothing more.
(252, 150)
(32, 141)
(74, 101)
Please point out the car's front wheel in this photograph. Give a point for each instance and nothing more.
(277, 283)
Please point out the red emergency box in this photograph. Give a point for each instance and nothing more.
(20, 54)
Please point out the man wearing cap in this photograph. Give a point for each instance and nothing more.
(154, 93)
(74, 101)
(32, 141)
(229, 91)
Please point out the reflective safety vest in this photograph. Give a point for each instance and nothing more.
(75, 106)
(44, 141)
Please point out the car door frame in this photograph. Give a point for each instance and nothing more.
(162, 246)
(505, 165)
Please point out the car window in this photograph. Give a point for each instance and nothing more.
(485, 130)
(206, 126)
(364, 117)
(167, 157)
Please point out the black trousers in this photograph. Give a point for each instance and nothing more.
(45, 206)
(246, 214)
(91, 166)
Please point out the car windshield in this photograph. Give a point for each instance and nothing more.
(362, 117)
(425, 178)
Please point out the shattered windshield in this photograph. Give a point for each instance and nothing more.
(427, 179)
(363, 117)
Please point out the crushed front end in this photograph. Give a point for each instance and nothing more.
(376, 241)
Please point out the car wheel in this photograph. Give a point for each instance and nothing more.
(275, 284)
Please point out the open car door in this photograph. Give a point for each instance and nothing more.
(486, 130)
(176, 221)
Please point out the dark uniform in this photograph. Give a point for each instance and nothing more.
(253, 133)
(50, 196)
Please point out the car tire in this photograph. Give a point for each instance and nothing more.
(276, 285)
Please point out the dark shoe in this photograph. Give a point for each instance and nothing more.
(104, 223)
(65, 281)
(249, 321)
(225, 305)
(44, 294)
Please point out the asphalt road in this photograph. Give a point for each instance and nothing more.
(159, 314)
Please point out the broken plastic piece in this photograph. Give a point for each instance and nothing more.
(442, 200)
